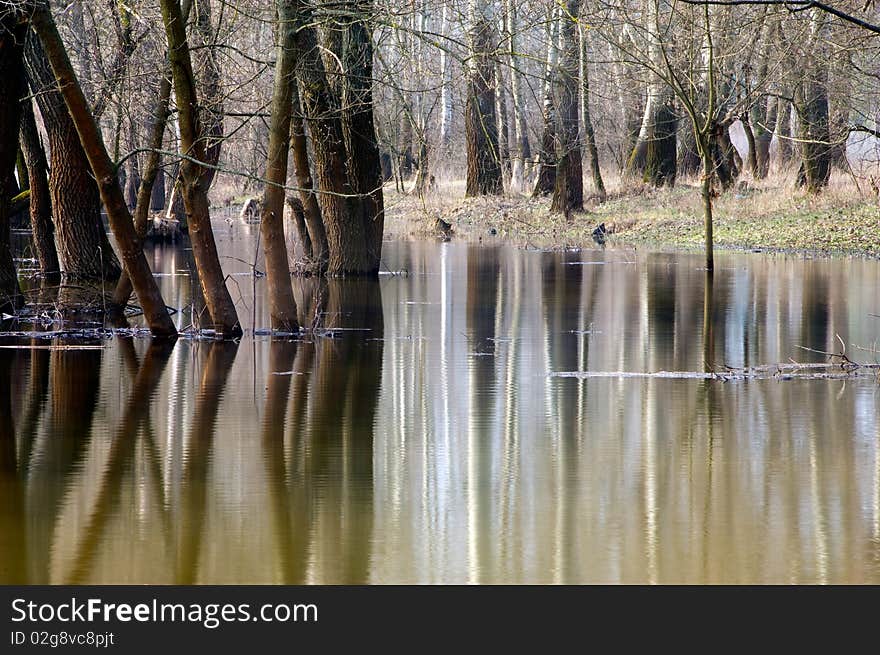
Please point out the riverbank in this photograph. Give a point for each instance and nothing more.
(771, 216)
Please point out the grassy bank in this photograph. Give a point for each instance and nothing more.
(768, 216)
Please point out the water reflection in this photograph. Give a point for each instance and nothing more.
(417, 437)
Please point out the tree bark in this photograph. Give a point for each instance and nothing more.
(12, 32)
(196, 176)
(104, 171)
(282, 306)
(811, 104)
(546, 179)
(589, 135)
(317, 235)
(83, 248)
(568, 194)
(147, 191)
(783, 133)
(764, 128)
(359, 129)
(41, 204)
(346, 237)
(521, 151)
(484, 175)
(654, 157)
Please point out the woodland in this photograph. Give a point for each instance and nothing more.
(141, 112)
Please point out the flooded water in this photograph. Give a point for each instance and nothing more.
(419, 436)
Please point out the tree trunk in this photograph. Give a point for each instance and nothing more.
(282, 306)
(345, 235)
(546, 179)
(484, 175)
(811, 104)
(706, 193)
(157, 193)
(41, 204)
(197, 177)
(783, 133)
(654, 157)
(589, 135)
(103, 169)
(764, 128)
(501, 113)
(521, 151)
(727, 162)
(568, 194)
(750, 138)
(445, 86)
(12, 33)
(146, 195)
(359, 129)
(83, 248)
(317, 253)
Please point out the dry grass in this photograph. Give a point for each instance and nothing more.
(770, 214)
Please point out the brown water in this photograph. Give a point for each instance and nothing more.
(428, 443)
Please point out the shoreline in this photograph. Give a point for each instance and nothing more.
(773, 219)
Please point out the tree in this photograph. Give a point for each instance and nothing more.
(42, 228)
(12, 32)
(484, 176)
(568, 194)
(104, 171)
(521, 151)
(282, 306)
(83, 248)
(654, 156)
(197, 175)
(589, 135)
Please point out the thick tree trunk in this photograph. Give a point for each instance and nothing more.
(157, 193)
(359, 129)
(197, 177)
(484, 175)
(282, 306)
(347, 239)
(811, 103)
(103, 169)
(764, 126)
(317, 253)
(12, 32)
(568, 194)
(83, 248)
(41, 204)
(654, 157)
(589, 135)
(727, 160)
(783, 133)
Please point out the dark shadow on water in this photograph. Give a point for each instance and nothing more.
(194, 493)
